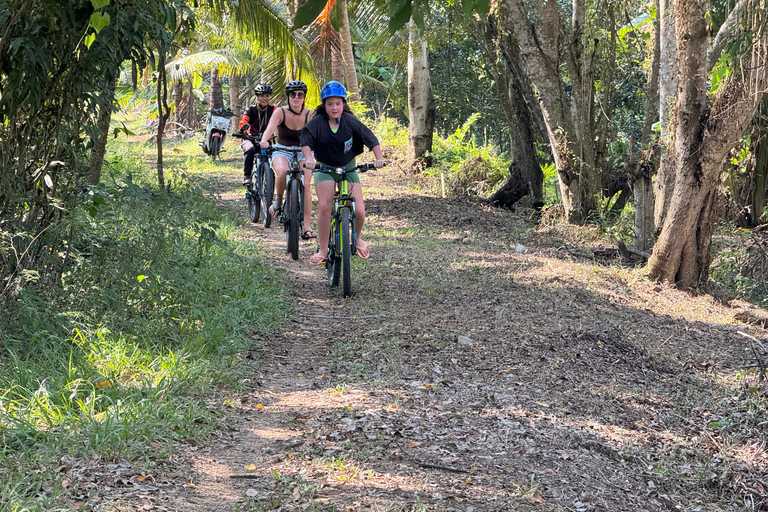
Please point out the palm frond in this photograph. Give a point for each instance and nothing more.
(199, 62)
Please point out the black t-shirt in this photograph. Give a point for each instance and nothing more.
(337, 149)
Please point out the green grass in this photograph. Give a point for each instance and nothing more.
(129, 354)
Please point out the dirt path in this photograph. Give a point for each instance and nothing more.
(478, 368)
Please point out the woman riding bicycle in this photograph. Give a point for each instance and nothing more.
(336, 136)
(289, 123)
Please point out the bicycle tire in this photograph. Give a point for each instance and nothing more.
(267, 191)
(293, 222)
(333, 261)
(215, 147)
(253, 206)
(346, 253)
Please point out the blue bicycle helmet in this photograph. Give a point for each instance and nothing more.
(333, 89)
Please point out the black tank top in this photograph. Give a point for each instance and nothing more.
(287, 136)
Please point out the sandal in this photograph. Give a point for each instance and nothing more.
(277, 208)
(363, 251)
(308, 234)
(317, 259)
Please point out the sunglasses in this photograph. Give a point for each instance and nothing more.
(296, 94)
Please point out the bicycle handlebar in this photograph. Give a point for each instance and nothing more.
(338, 170)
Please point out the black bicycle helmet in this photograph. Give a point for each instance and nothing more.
(295, 85)
(263, 89)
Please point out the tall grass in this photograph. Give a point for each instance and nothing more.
(124, 356)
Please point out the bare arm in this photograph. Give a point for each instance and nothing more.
(379, 156)
(273, 122)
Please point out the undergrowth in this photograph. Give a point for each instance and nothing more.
(121, 359)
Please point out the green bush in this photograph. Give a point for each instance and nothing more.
(149, 318)
(468, 169)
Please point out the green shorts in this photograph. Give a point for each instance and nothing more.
(324, 176)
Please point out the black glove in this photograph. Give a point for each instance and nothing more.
(245, 127)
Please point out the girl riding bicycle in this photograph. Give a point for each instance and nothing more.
(336, 136)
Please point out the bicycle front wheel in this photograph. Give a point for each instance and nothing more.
(293, 222)
(267, 190)
(346, 253)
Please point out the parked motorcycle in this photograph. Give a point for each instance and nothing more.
(217, 125)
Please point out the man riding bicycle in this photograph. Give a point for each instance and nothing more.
(289, 122)
(254, 122)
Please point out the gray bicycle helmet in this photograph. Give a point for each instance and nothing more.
(295, 85)
(263, 89)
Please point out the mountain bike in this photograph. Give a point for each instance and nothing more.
(293, 210)
(342, 243)
(259, 192)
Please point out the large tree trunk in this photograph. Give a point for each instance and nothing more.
(665, 177)
(525, 174)
(216, 94)
(234, 95)
(421, 101)
(568, 120)
(703, 137)
(347, 52)
(96, 159)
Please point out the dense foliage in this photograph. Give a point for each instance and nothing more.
(58, 60)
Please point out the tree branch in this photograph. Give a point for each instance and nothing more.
(725, 32)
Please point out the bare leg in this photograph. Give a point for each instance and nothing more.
(280, 165)
(324, 191)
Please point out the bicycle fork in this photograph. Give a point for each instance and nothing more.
(348, 203)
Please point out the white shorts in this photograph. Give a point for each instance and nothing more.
(287, 155)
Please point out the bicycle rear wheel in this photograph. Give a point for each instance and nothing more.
(293, 222)
(253, 206)
(346, 253)
(333, 262)
(267, 190)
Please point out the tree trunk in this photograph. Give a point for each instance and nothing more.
(347, 52)
(642, 167)
(96, 159)
(178, 100)
(568, 119)
(186, 111)
(337, 64)
(703, 137)
(163, 112)
(216, 94)
(421, 102)
(526, 176)
(760, 166)
(234, 95)
(665, 177)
